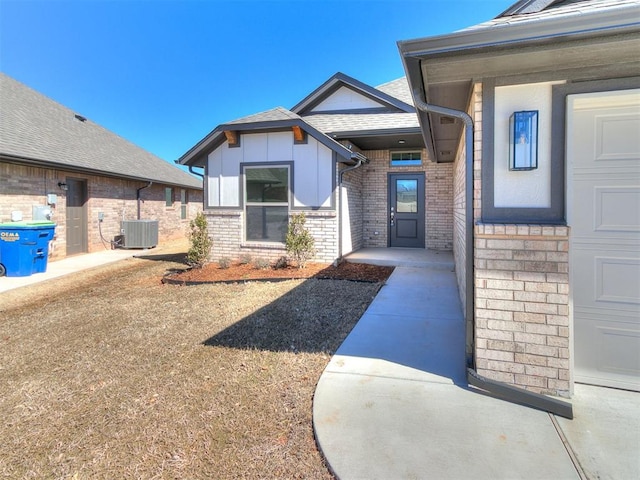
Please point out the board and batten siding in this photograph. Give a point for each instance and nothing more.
(313, 170)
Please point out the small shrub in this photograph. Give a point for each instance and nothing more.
(261, 263)
(245, 259)
(224, 263)
(299, 242)
(199, 241)
(282, 262)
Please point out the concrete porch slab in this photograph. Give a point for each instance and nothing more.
(403, 257)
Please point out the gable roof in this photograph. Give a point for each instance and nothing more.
(591, 38)
(278, 118)
(384, 100)
(387, 121)
(37, 130)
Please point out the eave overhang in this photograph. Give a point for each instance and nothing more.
(386, 139)
(197, 155)
(20, 160)
(441, 70)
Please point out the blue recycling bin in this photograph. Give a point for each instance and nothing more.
(24, 247)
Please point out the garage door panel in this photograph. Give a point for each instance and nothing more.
(610, 281)
(603, 154)
(616, 207)
(615, 361)
(617, 280)
(616, 136)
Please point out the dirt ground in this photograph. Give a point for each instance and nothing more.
(112, 374)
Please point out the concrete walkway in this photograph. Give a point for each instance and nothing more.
(393, 403)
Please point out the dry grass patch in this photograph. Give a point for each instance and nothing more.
(114, 375)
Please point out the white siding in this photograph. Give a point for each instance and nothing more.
(306, 180)
(254, 147)
(313, 168)
(229, 179)
(214, 172)
(279, 147)
(325, 174)
(346, 99)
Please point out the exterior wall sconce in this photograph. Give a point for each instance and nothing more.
(63, 186)
(523, 140)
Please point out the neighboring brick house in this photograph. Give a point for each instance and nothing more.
(90, 179)
(547, 254)
(350, 156)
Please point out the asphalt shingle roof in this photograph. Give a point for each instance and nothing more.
(398, 88)
(274, 115)
(361, 121)
(369, 119)
(34, 127)
(555, 10)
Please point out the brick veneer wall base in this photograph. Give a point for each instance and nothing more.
(226, 229)
(522, 306)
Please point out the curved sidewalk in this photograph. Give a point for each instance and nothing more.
(393, 402)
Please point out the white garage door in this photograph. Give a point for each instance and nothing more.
(603, 167)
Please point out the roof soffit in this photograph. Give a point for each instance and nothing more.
(441, 69)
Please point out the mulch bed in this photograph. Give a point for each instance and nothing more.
(213, 273)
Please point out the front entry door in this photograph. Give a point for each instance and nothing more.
(406, 210)
(603, 153)
(76, 218)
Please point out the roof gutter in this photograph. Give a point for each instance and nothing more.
(515, 34)
(508, 392)
(191, 167)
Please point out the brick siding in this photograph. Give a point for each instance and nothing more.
(438, 200)
(521, 288)
(25, 186)
(522, 306)
(226, 229)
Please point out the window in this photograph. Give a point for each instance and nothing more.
(168, 196)
(401, 159)
(266, 203)
(184, 200)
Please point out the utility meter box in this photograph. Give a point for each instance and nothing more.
(42, 213)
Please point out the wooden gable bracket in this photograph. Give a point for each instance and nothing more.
(232, 137)
(299, 135)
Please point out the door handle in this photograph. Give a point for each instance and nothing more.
(393, 216)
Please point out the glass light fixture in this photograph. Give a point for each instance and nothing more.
(523, 140)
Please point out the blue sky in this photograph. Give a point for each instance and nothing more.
(163, 74)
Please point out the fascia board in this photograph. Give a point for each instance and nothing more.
(340, 79)
(619, 20)
(197, 154)
(91, 171)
